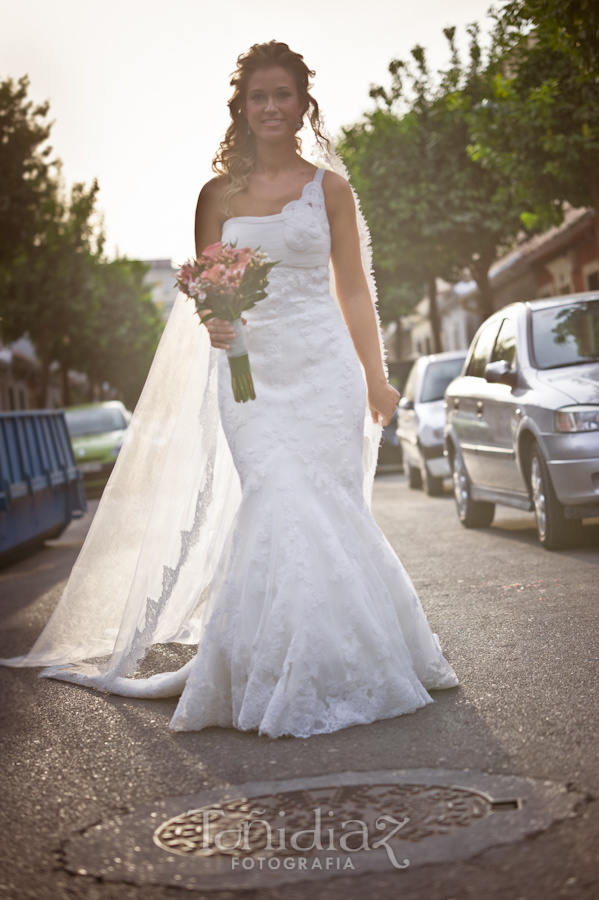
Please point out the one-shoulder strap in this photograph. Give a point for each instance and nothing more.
(319, 175)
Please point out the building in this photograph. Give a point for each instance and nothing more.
(458, 319)
(161, 279)
(20, 378)
(562, 260)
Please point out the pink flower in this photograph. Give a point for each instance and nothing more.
(243, 257)
(213, 251)
(213, 274)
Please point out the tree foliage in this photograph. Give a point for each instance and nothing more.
(539, 124)
(568, 26)
(125, 331)
(28, 172)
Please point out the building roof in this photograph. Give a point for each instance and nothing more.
(534, 249)
(159, 263)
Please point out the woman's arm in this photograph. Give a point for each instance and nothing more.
(208, 230)
(354, 296)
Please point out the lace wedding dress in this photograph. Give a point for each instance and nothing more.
(310, 623)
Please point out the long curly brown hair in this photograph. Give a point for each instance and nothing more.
(236, 154)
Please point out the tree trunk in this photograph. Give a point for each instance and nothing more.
(66, 393)
(486, 305)
(42, 395)
(398, 339)
(433, 314)
(594, 191)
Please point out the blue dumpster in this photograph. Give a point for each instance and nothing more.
(41, 488)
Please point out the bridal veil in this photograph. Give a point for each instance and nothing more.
(144, 571)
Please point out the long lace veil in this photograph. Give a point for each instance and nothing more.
(144, 571)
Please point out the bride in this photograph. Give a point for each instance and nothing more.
(244, 529)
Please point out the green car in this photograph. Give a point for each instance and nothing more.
(97, 431)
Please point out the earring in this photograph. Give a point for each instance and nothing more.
(300, 124)
(249, 129)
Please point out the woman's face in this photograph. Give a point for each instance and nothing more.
(272, 105)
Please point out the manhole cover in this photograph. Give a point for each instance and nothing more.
(265, 834)
(351, 818)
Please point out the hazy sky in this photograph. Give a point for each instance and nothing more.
(138, 88)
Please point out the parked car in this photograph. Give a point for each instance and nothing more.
(523, 418)
(390, 450)
(421, 420)
(97, 431)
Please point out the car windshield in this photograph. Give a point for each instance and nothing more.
(94, 421)
(566, 335)
(437, 377)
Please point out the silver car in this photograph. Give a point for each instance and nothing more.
(523, 419)
(421, 420)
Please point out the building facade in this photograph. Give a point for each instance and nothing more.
(161, 280)
(562, 260)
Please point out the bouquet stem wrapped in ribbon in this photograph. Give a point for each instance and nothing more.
(224, 282)
(239, 363)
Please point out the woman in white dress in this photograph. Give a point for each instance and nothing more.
(304, 618)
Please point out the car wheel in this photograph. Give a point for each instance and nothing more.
(433, 486)
(554, 530)
(414, 476)
(471, 513)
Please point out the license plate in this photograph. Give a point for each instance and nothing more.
(90, 467)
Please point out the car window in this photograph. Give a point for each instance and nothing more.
(566, 335)
(410, 388)
(505, 345)
(94, 421)
(437, 377)
(482, 351)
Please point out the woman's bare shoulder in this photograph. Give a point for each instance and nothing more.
(213, 191)
(337, 191)
(210, 213)
(210, 209)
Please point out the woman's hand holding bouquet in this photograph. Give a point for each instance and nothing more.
(221, 332)
(224, 282)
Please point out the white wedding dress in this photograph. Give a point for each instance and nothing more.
(310, 623)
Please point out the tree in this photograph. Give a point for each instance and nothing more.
(56, 285)
(49, 287)
(432, 209)
(569, 26)
(539, 124)
(47, 242)
(72, 252)
(381, 157)
(122, 337)
(28, 175)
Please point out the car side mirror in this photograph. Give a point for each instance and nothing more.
(500, 372)
(404, 403)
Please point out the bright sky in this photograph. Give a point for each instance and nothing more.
(138, 88)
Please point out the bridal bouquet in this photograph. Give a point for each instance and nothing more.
(227, 281)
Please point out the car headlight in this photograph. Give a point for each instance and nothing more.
(115, 450)
(577, 418)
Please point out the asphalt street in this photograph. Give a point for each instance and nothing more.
(518, 624)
